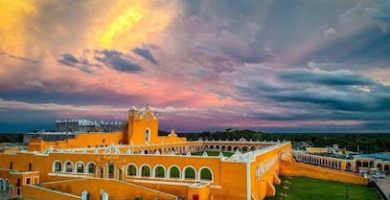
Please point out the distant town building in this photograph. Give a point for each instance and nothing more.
(85, 125)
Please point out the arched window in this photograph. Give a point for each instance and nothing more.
(189, 173)
(6, 186)
(68, 166)
(111, 169)
(206, 174)
(145, 171)
(79, 167)
(131, 170)
(147, 135)
(91, 168)
(159, 172)
(174, 172)
(1, 184)
(57, 166)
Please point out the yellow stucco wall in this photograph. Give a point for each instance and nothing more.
(115, 189)
(301, 169)
(35, 193)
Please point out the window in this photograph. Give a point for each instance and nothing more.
(68, 167)
(206, 175)
(11, 166)
(111, 170)
(80, 168)
(174, 172)
(57, 167)
(91, 168)
(189, 173)
(131, 170)
(145, 171)
(29, 167)
(159, 172)
(28, 181)
(147, 135)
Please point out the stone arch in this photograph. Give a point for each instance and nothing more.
(6, 185)
(211, 146)
(174, 171)
(371, 163)
(379, 166)
(386, 168)
(91, 168)
(131, 170)
(358, 163)
(1, 184)
(229, 148)
(189, 172)
(217, 147)
(68, 166)
(159, 171)
(365, 163)
(348, 166)
(245, 149)
(80, 167)
(111, 169)
(145, 170)
(223, 148)
(253, 148)
(205, 174)
(57, 166)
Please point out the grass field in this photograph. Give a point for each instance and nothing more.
(300, 188)
(212, 153)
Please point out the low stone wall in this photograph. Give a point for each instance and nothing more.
(32, 192)
(300, 169)
(112, 187)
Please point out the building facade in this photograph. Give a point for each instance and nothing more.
(137, 163)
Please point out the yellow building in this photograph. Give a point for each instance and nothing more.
(138, 163)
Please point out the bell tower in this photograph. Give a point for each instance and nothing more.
(142, 127)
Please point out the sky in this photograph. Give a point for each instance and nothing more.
(270, 65)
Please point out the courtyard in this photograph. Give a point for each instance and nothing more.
(301, 188)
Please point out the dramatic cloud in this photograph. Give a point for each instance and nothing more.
(145, 53)
(117, 61)
(339, 77)
(300, 65)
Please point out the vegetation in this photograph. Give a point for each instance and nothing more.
(365, 143)
(300, 188)
(11, 138)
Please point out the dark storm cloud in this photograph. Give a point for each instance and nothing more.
(71, 61)
(367, 46)
(110, 58)
(145, 53)
(117, 61)
(321, 95)
(340, 77)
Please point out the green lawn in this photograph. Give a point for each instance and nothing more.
(212, 153)
(301, 188)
